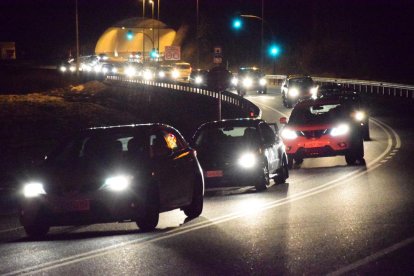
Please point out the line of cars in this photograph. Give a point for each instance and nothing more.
(134, 172)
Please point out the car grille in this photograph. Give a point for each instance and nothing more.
(309, 134)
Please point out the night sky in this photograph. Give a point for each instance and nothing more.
(365, 38)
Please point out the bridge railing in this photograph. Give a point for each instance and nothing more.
(362, 86)
(227, 97)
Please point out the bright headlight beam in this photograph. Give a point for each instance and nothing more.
(262, 81)
(118, 183)
(198, 80)
(33, 189)
(247, 82)
(359, 116)
(293, 92)
(247, 160)
(340, 130)
(289, 134)
(234, 81)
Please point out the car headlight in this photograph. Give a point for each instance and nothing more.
(289, 134)
(314, 92)
(114, 70)
(342, 129)
(234, 81)
(161, 74)
(198, 80)
(247, 160)
(293, 92)
(359, 116)
(72, 68)
(130, 71)
(33, 189)
(147, 75)
(247, 82)
(105, 70)
(175, 74)
(97, 68)
(262, 81)
(62, 68)
(118, 183)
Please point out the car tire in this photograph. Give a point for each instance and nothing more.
(36, 230)
(264, 181)
(298, 161)
(355, 155)
(282, 173)
(196, 207)
(149, 221)
(290, 162)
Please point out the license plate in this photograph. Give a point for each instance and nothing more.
(214, 173)
(75, 205)
(313, 145)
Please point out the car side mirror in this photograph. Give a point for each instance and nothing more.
(283, 120)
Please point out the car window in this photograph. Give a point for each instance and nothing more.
(268, 134)
(227, 136)
(319, 113)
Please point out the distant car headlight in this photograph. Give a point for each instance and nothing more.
(247, 160)
(289, 134)
(33, 189)
(359, 116)
(234, 81)
(161, 74)
(130, 71)
(314, 92)
(198, 80)
(147, 75)
(105, 70)
(341, 129)
(118, 183)
(175, 74)
(114, 70)
(97, 68)
(262, 81)
(247, 82)
(293, 92)
(62, 68)
(72, 68)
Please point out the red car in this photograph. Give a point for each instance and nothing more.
(323, 127)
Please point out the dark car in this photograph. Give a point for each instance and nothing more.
(360, 109)
(198, 77)
(115, 173)
(240, 152)
(323, 127)
(218, 78)
(295, 88)
(251, 78)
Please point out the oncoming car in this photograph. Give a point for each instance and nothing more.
(240, 152)
(295, 88)
(181, 71)
(111, 174)
(320, 128)
(248, 79)
(360, 108)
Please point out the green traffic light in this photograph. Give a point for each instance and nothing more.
(130, 35)
(274, 50)
(237, 23)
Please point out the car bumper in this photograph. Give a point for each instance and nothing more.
(89, 208)
(309, 148)
(232, 177)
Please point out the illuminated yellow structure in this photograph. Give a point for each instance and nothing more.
(135, 35)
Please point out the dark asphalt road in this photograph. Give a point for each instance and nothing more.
(328, 218)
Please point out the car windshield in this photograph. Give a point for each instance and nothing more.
(251, 72)
(227, 137)
(183, 66)
(303, 82)
(319, 113)
(100, 148)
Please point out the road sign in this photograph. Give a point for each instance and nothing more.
(172, 53)
(217, 50)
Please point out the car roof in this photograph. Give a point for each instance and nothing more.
(298, 77)
(116, 128)
(232, 122)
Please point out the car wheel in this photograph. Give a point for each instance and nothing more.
(196, 207)
(36, 230)
(355, 155)
(264, 181)
(149, 221)
(298, 161)
(282, 173)
(290, 162)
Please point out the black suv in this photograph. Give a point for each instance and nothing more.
(240, 152)
(295, 88)
(251, 78)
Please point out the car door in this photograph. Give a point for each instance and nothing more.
(270, 145)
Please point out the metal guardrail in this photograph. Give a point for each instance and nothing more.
(363, 86)
(226, 96)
